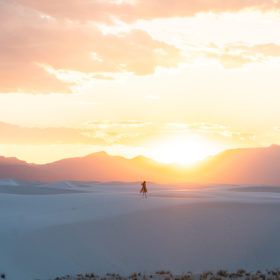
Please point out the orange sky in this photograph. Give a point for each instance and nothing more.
(175, 80)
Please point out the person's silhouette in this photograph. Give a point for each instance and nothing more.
(144, 188)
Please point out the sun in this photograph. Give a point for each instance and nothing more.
(184, 151)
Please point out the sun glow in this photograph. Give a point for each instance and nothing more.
(184, 151)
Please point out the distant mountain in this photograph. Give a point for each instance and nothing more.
(94, 167)
(102, 167)
(10, 161)
(239, 166)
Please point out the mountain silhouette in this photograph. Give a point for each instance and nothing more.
(237, 166)
(241, 166)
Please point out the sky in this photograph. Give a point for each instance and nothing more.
(173, 80)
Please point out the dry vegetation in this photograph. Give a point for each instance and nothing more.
(240, 274)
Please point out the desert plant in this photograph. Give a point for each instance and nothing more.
(205, 275)
(222, 273)
(240, 272)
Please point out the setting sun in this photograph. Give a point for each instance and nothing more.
(184, 150)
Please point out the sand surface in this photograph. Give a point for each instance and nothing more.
(55, 229)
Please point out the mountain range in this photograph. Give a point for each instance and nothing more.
(256, 166)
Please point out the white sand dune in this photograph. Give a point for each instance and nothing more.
(272, 189)
(9, 182)
(92, 227)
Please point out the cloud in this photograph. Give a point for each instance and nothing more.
(270, 50)
(230, 60)
(134, 132)
(30, 40)
(14, 134)
(128, 11)
(223, 133)
(237, 55)
(127, 137)
(128, 132)
(94, 133)
(42, 43)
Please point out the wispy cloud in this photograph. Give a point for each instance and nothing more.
(122, 133)
(224, 133)
(237, 55)
(128, 138)
(93, 133)
(14, 134)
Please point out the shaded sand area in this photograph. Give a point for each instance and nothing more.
(63, 228)
(272, 189)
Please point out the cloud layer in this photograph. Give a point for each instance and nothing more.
(32, 42)
(106, 11)
(118, 133)
(236, 55)
(40, 38)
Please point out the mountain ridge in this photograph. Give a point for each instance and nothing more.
(260, 165)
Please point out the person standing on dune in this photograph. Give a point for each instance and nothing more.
(144, 190)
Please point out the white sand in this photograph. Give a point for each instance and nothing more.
(66, 227)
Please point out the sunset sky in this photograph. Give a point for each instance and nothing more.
(174, 80)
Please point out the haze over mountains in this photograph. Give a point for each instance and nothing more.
(238, 166)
